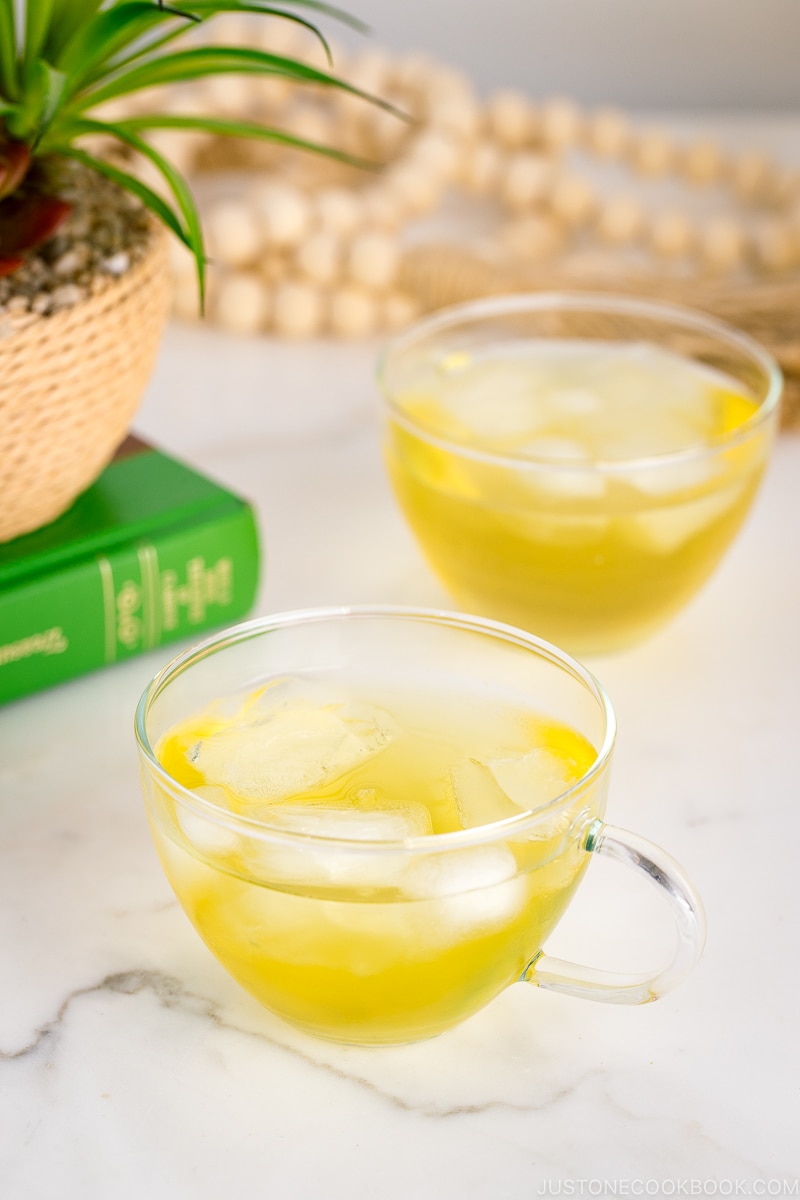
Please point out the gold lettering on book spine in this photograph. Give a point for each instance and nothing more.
(204, 586)
(49, 641)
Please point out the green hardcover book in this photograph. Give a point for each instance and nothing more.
(151, 552)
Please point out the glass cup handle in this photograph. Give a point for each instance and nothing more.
(687, 910)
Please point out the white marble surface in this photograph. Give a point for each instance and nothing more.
(131, 1066)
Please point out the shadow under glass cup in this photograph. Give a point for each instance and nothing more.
(393, 940)
(576, 465)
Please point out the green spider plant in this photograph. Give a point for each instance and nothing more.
(59, 59)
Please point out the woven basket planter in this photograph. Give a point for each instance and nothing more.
(69, 386)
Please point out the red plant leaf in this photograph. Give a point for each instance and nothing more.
(8, 265)
(26, 221)
(15, 159)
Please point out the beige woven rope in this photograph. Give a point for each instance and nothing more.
(69, 386)
(770, 312)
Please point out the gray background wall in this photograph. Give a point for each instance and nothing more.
(676, 54)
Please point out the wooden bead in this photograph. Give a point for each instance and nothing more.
(753, 176)
(384, 132)
(417, 189)
(672, 234)
(274, 35)
(703, 162)
(284, 213)
(319, 257)
(573, 199)
(373, 260)
(786, 188)
(534, 237)
(270, 92)
(510, 118)
(448, 99)
(414, 71)
(175, 146)
(298, 310)
(608, 133)
(458, 115)
(381, 208)
(242, 303)
(353, 312)
(621, 220)
(310, 124)
(482, 166)
(338, 210)
(775, 246)
(528, 180)
(231, 29)
(561, 123)
(653, 153)
(234, 233)
(397, 310)
(368, 70)
(436, 151)
(226, 95)
(276, 266)
(722, 244)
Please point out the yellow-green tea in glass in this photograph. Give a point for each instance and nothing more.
(576, 465)
(375, 818)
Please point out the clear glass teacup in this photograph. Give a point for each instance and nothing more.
(576, 465)
(335, 914)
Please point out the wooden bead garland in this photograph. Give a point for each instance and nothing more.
(305, 247)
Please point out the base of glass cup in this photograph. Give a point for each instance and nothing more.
(601, 613)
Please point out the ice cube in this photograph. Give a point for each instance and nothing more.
(498, 403)
(205, 836)
(575, 402)
(478, 797)
(450, 873)
(534, 779)
(368, 817)
(475, 887)
(567, 529)
(274, 754)
(665, 530)
(667, 478)
(365, 816)
(567, 471)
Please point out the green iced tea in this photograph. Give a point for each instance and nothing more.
(563, 486)
(350, 890)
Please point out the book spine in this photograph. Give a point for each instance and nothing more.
(106, 609)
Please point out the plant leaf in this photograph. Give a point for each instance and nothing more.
(226, 127)
(15, 159)
(38, 17)
(70, 16)
(9, 80)
(327, 10)
(9, 265)
(206, 9)
(265, 10)
(110, 32)
(130, 183)
(27, 219)
(43, 93)
(52, 87)
(177, 184)
(217, 60)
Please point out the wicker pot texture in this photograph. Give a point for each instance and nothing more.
(69, 386)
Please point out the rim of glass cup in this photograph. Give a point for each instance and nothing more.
(429, 843)
(585, 301)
